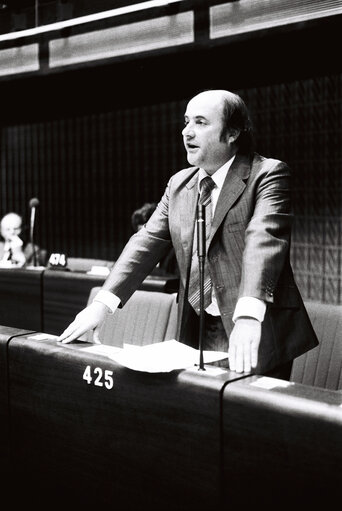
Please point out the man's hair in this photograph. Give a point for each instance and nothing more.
(236, 117)
(11, 214)
(141, 215)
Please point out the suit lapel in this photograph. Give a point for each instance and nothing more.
(233, 186)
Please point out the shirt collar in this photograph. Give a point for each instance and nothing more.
(219, 176)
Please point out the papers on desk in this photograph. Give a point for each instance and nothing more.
(42, 337)
(265, 382)
(99, 270)
(161, 357)
(7, 264)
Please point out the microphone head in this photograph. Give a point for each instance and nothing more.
(34, 203)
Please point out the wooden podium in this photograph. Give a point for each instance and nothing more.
(87, 428)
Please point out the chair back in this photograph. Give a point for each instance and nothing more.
(147, 317)
(322, 366)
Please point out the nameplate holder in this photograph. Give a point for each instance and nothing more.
(58, 262)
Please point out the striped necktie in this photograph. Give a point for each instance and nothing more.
(206, 186)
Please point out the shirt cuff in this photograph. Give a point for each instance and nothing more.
(108, 299)
(248, 306)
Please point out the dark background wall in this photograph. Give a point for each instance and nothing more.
(93, 144)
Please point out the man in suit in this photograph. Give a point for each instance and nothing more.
(255, 310)
(13, 252)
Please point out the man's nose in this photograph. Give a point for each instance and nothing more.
(188, 131)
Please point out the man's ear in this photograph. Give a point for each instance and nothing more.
(233, 135)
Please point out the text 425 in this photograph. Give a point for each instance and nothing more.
(99, 377)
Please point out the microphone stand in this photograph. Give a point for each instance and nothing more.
(33, 211)
(201, 249)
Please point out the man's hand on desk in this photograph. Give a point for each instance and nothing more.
(89, 318)
(244, 344)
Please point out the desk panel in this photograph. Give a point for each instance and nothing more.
(21, 298)
(6, 334)
(282, 442)
(153, 440)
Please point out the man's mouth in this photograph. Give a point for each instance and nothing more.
(191, 147)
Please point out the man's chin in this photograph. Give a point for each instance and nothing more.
(193, 160)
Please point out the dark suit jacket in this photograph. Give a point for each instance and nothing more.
(248, 254)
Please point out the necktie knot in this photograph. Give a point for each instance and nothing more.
(206, 186)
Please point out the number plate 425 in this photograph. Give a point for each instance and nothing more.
(99, 377)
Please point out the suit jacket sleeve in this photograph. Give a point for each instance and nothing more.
(141, 253)
(267, 236)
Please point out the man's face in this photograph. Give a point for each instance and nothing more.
(201, 134)
(10, 226)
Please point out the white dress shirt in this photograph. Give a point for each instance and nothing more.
(246, 306)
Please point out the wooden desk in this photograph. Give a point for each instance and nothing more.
(151, 441)
(21, 298)
(281, 444)
(181, 440)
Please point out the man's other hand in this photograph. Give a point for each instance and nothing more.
(244, 345)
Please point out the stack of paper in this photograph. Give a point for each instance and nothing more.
(161, 357)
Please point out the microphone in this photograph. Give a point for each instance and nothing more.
(34, 203)
(201, 248)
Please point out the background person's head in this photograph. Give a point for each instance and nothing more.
(141, 215)
(10, 226)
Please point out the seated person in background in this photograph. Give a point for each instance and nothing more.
(13, 252)
(139, 218)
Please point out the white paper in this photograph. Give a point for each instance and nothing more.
(265, 382)
(102, 349)
(42, 337)
(99, 270)
(6, 264)
(161, 357)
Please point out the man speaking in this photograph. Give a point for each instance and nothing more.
(253, 308)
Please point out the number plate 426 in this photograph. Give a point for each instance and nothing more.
(98, 377)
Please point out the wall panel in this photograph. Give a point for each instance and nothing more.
(301, 123)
